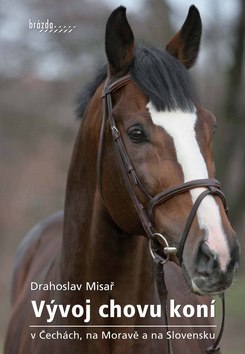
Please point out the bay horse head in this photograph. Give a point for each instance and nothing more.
(155, 165)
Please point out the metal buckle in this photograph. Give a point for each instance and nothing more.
(115, 132)
(167, 249)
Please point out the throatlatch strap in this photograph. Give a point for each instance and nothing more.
(100, 152)
(163, 294)
(215, 348)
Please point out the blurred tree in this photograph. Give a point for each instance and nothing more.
(232, 154)
(158, 25)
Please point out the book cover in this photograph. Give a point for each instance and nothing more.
(128, 121)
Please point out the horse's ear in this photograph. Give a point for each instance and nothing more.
(185, 44)
(119, 42)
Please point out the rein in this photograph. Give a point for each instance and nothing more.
(159, 246)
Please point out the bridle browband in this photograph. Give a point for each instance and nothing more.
(158, 244)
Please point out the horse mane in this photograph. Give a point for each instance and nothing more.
(159, 75)
(88, 91)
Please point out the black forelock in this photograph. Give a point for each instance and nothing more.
(163, 79)
(160, 76)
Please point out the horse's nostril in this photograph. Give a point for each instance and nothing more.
(206, 261)
(233, 265)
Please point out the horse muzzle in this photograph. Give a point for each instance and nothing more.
(209, 277)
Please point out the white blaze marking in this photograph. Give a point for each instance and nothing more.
(181, 127)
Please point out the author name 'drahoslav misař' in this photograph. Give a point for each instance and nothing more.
(69, 286)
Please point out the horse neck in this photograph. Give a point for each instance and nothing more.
(94, 248)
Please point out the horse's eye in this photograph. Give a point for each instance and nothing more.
(136, 134)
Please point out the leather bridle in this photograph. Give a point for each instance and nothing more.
(132, 180)
(158, 244)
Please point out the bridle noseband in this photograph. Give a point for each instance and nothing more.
(158, 244)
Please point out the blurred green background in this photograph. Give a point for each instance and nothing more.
(40, 74)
